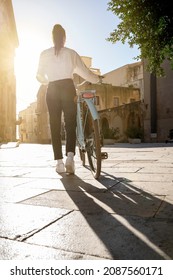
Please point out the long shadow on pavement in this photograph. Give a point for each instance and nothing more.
(131, 223)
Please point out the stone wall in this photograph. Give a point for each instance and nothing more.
(8, 43)
(122, 117)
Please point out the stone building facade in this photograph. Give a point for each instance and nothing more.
(130, 75)
(8, 44)
(42, 117)
(28, 128)
(108, 98)
(128, 115)
(156, 95)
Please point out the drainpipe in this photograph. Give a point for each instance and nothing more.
(153, 102)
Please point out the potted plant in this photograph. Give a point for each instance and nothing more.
(110, 135)
(134, 134)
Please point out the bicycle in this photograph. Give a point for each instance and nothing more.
(89, 138)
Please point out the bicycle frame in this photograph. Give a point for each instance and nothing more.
(82, 96)
(88, 131)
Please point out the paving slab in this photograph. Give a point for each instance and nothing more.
(156, 170)
(13, 181)
(139, 177)
(166, 210)
(125, 214)
(154, 188)
(140, 204)
(38, 172)
(12, 171)
(107, 236)
(16, 250)
(17, 221)
(8, 194)
(145, 163)
(41, 183)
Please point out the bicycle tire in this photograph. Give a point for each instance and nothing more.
(82, 156)
(79, 119)
(93, 144)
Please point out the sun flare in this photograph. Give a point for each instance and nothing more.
(25, 67)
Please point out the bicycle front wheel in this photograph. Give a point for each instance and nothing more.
(93, 145)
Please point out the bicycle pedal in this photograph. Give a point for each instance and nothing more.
(104, 155)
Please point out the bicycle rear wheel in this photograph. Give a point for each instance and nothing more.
(82, 156)
(93, 144)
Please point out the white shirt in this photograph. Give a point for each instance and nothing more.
(52, 67)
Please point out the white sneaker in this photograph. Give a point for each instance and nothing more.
(69, 165)
(60, 168)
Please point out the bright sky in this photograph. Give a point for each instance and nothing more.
(87, 24)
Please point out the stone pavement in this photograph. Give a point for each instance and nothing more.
(125, 215)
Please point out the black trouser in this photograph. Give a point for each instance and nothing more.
(60, 98)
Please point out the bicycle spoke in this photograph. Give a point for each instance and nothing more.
(92, 143)
(93, 147)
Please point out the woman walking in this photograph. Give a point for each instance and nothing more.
(56, 68)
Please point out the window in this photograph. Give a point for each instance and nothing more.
(97, 100)
(116, 101)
